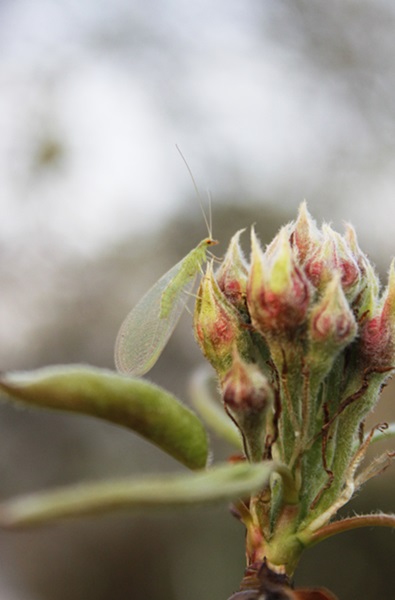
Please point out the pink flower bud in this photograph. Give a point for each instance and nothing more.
(306, 235)
(245, 387)
(364, 304)
(247, 396)
(377, 339)
(232, 274)
(217, 324)
(278, 293)
(331, 256)
(331, 319)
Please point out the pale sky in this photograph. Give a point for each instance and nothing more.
(118, 84)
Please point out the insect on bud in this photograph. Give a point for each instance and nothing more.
(217, 325)
(248, 396)
(278, 293)
(233, 273)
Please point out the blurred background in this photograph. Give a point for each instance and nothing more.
(271, 103)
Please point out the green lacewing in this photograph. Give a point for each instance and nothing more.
(149, 325)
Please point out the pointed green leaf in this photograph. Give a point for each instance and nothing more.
(221, 483)
(135, 403)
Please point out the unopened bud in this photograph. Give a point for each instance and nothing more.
(333, 255)
(217, 325)
(331, 320)
(306, 235)
(332, 326)
(233, 273)
(248, 396)
(278, 293)
(377, 339)
(364, 304)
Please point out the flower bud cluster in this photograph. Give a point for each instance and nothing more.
(302, 341)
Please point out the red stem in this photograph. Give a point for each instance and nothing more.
(352, 523)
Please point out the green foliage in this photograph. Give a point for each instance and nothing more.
(145, 408)
(218, 484)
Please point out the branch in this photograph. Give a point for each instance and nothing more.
(378, 520)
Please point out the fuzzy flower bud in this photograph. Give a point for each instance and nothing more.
(366, 301)
(331, 320)
(377, 342)
(332, 326)
(218, 325)
(305, 236)
(331, 256)
(248, 396)
(278, 293)
(233, 273)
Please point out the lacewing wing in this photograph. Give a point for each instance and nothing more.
(149, 325)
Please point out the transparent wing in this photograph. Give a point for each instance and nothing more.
(144, 334)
